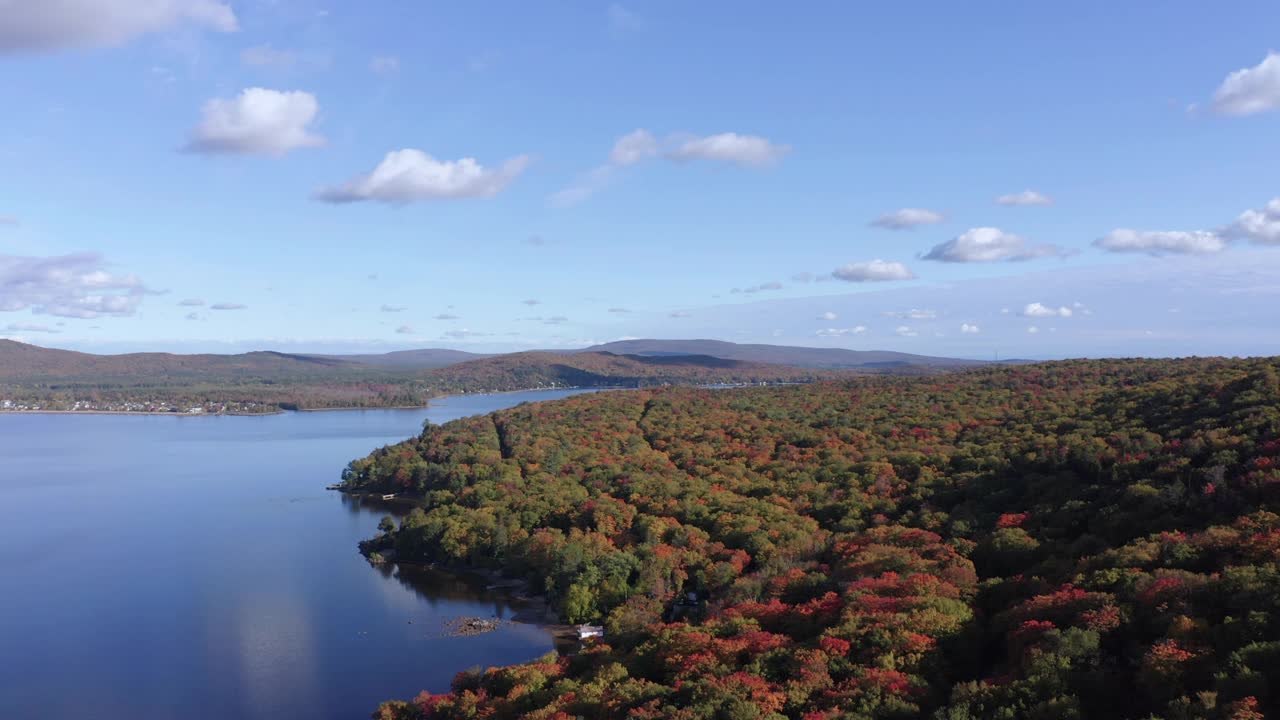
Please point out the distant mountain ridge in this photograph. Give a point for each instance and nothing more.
(36, 378)
(20, 360)
(806, 357)
(23, 361)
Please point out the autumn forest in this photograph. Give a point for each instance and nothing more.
(1079, 539)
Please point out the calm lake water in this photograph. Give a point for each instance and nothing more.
(163, 567)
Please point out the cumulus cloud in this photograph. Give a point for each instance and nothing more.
(45, 25)
(828, 316)
(76, 286)
(392, 308)
(730, 147)
(1258, 226)
(762, 287)
(258, 121)
(908, 218)
(970, 329)
(1162, 242)
(1033, 329)
(193, 316)
(636, 146)
(873, 271)
(912, 314)
(447, 316)
(404, 330)
(640, 145)
(409, 175)
(842, 332)
(227, 306)
(192, 302)
(384, 64)
(1250, 90)
(1025, 198)
(1040, 310)
(905, 331)
(988, 244)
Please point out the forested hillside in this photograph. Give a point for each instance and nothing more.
(35, 378)
(1091, 539)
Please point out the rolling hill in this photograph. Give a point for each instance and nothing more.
(19, 361)
(543, 369)
(806, 357)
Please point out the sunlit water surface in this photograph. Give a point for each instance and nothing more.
(195, 567)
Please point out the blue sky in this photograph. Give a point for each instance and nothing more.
(240, 174)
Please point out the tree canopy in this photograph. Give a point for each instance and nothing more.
(1075, 539)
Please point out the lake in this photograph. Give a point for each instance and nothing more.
(195, 567)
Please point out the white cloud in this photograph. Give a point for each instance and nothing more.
(743, 150)
(462, 334)
(392, 308)
(1258, 226)
(404, 330)
(1025, 198)
(555, 320)
(762, 287)
(1250, 90)
(1039, 310)
(873, 271)
(227, 306)
(641, 145)
(192, 302)
(828, 316)
(410, 175)
(30, 327)
(1161, 242)
(384, 64)
(588, 184)
(988, 244)
(259, 122)
(41, 25)
(76, 286)
(680, 314)
(619, 310)
(970, 329)
(634, 147)
(842, 332)
(193, 316)
(265, 56)
(912, 314)
(908, 218)
(905, 331)
(531, 302)
(447, 316)
(1033, 329)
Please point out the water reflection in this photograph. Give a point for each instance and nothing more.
(195, 567)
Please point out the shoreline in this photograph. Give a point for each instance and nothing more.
(282, 411)
(529, 607)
